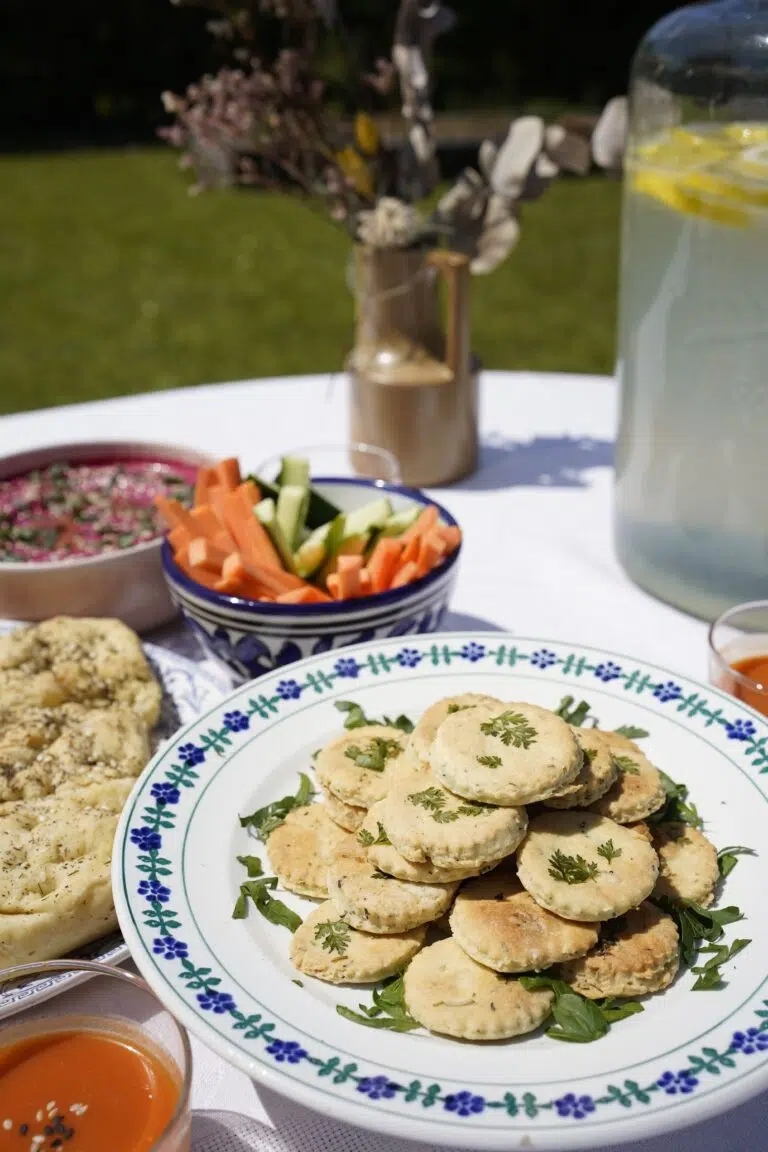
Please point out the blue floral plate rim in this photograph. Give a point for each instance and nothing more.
(335, 1071)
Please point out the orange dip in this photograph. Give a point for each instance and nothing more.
(756, 668)
(83, 1091)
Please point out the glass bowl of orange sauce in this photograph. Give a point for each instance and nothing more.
(738, 653)
(75, 1080)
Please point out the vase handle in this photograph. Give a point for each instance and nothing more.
(454, 268)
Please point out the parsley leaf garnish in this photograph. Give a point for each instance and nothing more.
(709, 974)
(571, 869)
(356, 718)
(272, 909)
(631, 732)
(489, 761)
(608, 851)
(626, 765)
(375, 754)
(452, 708)
(573, 716)
(333, 936)
(676, 808)
(434, 800)
(265, 820)
(511, 728)
(578, 1020)
(388, 1012)
(367, 838)
(728, 858)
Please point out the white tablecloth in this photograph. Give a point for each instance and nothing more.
(538, 561)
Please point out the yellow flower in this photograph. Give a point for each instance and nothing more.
(366, 134)
(356, 171)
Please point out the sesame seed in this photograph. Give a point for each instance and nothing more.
(51, 1104)
(39, 1116)
(7, 1124)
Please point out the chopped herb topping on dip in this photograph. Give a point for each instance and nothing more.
(68, 510)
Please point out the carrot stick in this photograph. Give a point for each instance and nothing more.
(410, 551)
(174, 514)
(404, 574)
(425, 522)
(179, 537)
(203, 554)
(206, 521)
(207, 579)
(334, 586)
(273, 580)
(228, 472)
(349, 568)
(383, 562)
(246, 588)
(216, 495)
(431, 551)
(250, 493)
(251, 538)
(366, 583)
(451, 534)
(308, 595)
(204, 479)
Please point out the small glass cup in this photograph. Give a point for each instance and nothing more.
(740, 637)
(112, 995)
(346, 460)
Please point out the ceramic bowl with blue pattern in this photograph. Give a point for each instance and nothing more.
(251, 637)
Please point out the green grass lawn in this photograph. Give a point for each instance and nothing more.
(114, 280)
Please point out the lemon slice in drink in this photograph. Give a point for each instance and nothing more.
(718, 175)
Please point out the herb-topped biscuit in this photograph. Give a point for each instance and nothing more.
(449, 992)
(585, 867)
(507, 754)
(426, 729)
(326, 947)
(639, 954)
(374, 902)
(637, 791)
(347, 816)
(89, 661)
(357, 766)
(641, 829)
(598, 772)
(687, 864)
(500, 925)
(301, 848)
(427, 822)
(374, 839)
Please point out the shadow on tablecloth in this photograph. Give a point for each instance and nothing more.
(298, 1129)
(546, 461)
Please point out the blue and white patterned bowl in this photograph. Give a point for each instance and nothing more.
(251, 638)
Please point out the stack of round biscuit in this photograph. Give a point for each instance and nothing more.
(434, 832)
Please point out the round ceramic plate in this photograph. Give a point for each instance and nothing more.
(688, 1056)
(187, 691)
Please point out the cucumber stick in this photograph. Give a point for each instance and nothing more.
(312, 553)
(369, 518)
(292, 505)
(266, 513)
(294, 471)
(398, 523)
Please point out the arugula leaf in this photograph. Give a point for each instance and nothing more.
(574, 716)
(631, 732)
(265, 820)
(253, 864)
(268, 905)
(695, 923)
(676, 807)
(709, 974)
(728, 858)
(356, 718)
(389, 1010)
(571, 869)
(578, 1020)
(614, 1010)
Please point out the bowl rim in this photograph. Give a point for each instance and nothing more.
(174, 574)
(81, 451)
